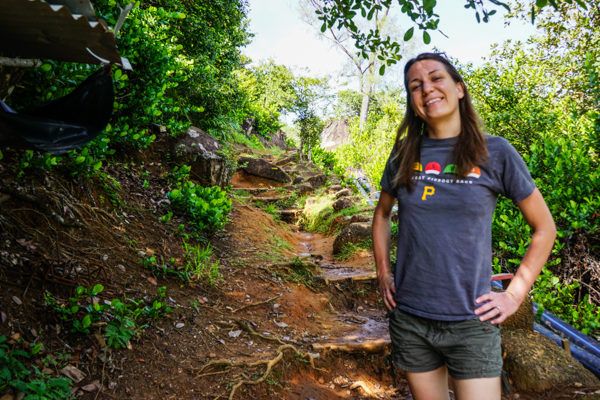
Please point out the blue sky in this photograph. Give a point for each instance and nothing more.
(280, 34)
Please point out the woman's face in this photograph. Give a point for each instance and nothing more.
(433, 92)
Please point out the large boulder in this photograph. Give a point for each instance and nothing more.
(316, 180)
(336, 133)
(278, 139)
(342, 193)
(535, 364)
(343, 202)
(522, 319)
(200, 151)
(354, 233)
(264, 169)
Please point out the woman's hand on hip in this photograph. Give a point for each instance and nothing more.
(387, 289)
(497, 306)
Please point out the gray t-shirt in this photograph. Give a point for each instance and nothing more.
(444, 227)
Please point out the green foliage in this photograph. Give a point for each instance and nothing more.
(559, 298)
(35, 385)
(324, 159)
(300, 272)
(349, 249)
(180, 174)
(348, 14)
(199, 264)
(308, 92)
(316, 210)
(184, 57)
(347, 104)
(122, 319)
(251, 141)
(206, 208)
(269, 90)
(377, 136)
(318, 215)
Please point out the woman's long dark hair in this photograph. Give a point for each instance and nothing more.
(470, 150)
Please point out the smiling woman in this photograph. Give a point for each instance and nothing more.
(434, 95)
(444, 315)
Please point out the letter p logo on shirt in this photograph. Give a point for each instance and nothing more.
(427, 191)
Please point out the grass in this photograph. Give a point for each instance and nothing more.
(349, 249)
(316, 210)
(276, 252)
(252, 142)
(199, 264)
(318, 214)
(299, 272)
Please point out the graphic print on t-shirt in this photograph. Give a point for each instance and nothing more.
(434, 168)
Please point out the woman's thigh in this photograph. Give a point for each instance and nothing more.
(478, 389)
(431, 385)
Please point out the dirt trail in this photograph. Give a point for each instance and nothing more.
(287, 320)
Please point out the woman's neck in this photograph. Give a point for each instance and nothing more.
(444, 129)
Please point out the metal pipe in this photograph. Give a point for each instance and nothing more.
(553, 322)
(587, 359)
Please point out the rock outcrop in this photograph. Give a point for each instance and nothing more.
(354, 233)
(200, 151)
(533, 362)
(264, 169)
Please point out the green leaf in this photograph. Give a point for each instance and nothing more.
(541, 3)
(79, 160)
(86, 321)
(96, 289)
(46, 67)
(426, 37)
(409, 34)
(324, 27)
(382, 70)
(429, 5)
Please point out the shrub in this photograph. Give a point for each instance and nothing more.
(206, 208)
(122, 319)
(34, 384)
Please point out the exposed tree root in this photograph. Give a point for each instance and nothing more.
(256, 304)
(246, 327)
(270, 363)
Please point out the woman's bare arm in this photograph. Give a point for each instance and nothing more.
(499, 306)
(381, 248)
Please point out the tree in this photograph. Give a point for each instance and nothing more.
(308, 92)
(344, 14)
(365, 67)
(269, 90)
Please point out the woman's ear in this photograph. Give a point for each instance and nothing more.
(460, 89)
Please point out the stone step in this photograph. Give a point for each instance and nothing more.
(336, 273)
(371, 336)
(268, 199)
(256, 190)
(290, 216)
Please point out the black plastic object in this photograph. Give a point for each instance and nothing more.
(64, 124)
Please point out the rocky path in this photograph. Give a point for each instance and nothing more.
(353, 324)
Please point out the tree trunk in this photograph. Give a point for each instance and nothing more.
(367, 85)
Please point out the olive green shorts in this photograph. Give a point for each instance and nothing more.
(470, 349)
